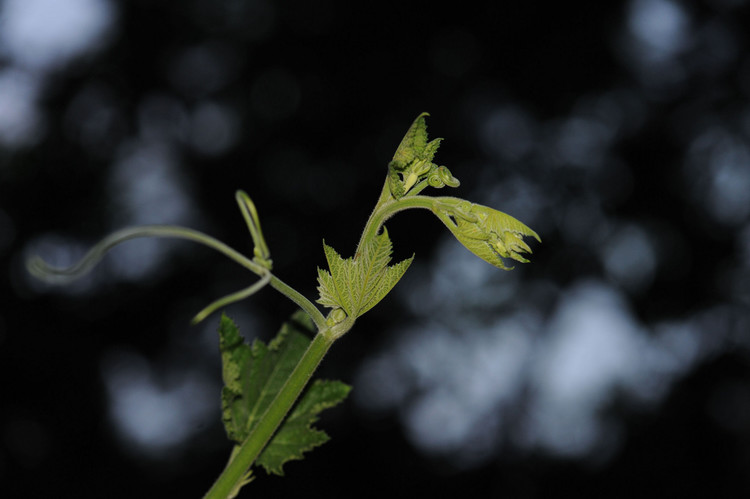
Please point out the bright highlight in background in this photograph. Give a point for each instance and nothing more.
(46, 34)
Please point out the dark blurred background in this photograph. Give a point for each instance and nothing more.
(616, 364)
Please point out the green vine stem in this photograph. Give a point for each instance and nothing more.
(387, 206)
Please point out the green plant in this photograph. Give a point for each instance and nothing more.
(263, 382)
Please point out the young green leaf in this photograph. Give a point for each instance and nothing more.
(297, 435)
(253, 375)
(358, 284)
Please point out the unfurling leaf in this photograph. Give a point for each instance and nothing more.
(490, 234)
(358, 284)
(253, 375)
(413, 144)
(412, 161)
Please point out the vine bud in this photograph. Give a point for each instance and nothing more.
(490, 234)
(336, 316)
